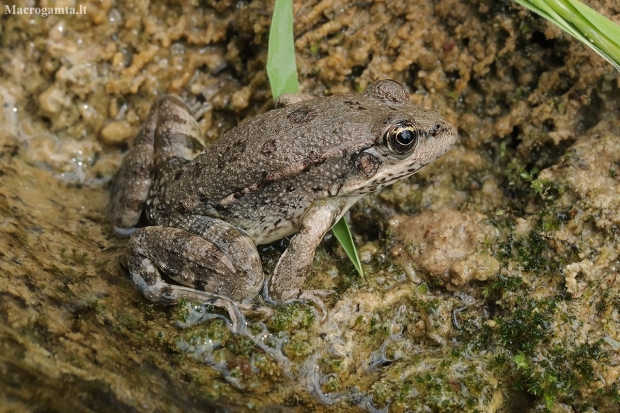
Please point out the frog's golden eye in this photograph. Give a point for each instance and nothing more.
(402, 138)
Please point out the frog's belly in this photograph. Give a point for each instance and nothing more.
(269, 214)
(266, 225)
(287, 221)
(260, 237)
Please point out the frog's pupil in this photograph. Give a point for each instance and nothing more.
(405, 137)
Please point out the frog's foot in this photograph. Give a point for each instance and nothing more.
(163, 293)
(204, 270)
(256, 310)
(314, 296)
(237, 320)
(305, 296)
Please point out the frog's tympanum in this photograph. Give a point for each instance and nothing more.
(293, 170)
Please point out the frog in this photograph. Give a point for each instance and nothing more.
(291, 171)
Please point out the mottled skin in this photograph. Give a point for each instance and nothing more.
(296, 169)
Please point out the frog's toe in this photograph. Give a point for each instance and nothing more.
(305, 296)
(164, 293)
(320, 293)
(236, 319)
(125, 232)
(314, 296)
(258, 310)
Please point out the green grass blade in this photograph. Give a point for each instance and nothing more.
(342, 233)
(604, 33)
(281, 66)
(593, 29)
(282, 73)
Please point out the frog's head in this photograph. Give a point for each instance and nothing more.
(406, 139)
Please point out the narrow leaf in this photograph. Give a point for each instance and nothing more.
(281, 66)
(342, 233)
(593, 29)
(282, 73)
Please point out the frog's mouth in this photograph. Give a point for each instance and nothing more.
(374, 169)
(386, 178)
(391, 169)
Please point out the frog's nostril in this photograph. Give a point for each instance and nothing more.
(437, 128)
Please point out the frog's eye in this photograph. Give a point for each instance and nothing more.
(402, 138)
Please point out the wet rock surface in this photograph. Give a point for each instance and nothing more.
(522, 318)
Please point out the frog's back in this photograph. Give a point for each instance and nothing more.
(286, 142)
(264, 174)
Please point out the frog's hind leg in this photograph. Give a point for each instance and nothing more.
(178, 137)
(207, 274)
(169, 137)
(131, 185)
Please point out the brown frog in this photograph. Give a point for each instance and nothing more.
(293, 170)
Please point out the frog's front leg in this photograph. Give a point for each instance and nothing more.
(218, 267)
(288, 277)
